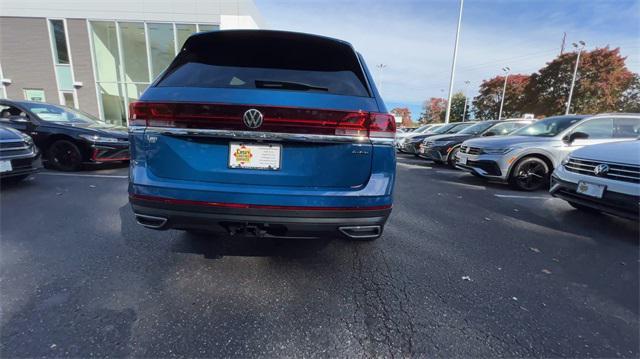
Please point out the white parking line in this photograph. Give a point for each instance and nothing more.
(518, 196)
(407, 165)
(80, 175)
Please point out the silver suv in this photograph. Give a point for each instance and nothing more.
(603, 178)
(527, 157)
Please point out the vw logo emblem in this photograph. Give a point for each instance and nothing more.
(252, 118)
(601, 170)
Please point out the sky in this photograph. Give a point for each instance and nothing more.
(415, 39)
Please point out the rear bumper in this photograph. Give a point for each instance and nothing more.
(268, 221)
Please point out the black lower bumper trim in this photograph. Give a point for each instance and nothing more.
(280, 223)
(618, 204)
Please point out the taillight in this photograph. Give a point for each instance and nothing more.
(382, 125)
(275, 119)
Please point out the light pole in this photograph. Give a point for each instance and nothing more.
(504, 90)
(575, 72)
(453, 64)
(466, 98)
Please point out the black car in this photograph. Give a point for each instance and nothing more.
(66, 137)
(443, 148)
(19, 157)
(412, 143)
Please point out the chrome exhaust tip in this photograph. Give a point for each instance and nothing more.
(361, 232)
(151, 221)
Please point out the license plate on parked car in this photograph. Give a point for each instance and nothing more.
(462, 159)
(590, 189)
(255, 156)
(5, 166)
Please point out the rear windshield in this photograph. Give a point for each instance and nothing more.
(267, 60)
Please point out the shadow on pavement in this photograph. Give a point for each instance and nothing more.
(218, 245)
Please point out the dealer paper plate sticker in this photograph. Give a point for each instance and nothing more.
(255, 156)
(5, 166)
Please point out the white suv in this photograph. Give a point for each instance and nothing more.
(602, 177)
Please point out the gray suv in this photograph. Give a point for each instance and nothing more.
(527, 157)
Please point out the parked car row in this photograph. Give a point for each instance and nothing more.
(532, 155)
(66, 138)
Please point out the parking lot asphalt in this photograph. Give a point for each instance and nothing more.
(464, 268)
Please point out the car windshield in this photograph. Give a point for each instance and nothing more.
(421, 129)
(457, 127)
(506, 128)
(444, 128)
(53, 113)
(477, 128)
(548, 127)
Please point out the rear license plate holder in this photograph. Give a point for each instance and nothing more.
(255, 156)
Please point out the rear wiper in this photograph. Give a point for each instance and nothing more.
(285, 85)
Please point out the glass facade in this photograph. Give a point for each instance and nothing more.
(162, 47)
(129, 55)
(183, 31)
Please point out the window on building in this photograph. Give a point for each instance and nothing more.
(161, 47)
(105, 50)
(69, 99)
(106, 55)
(59, 36)
(183, 31)
(134, 52)
(61, 59)
(204, 28)
(34, 95)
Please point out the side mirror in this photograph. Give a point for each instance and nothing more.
(490, 133)
(575, 136)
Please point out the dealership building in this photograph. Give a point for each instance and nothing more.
(98, 56)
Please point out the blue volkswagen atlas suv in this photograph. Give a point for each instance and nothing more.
(263, 133)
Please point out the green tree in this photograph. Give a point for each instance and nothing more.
(487, 104)
(457, 107)
(629, 101)
(601, 81)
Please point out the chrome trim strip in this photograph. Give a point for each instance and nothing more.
(254, 135)
(22, 155)
(12, 140)
(14, 148)
(137, 129)
(382, 141)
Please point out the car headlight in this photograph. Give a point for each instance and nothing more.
(496, 151)
(96, 138)
(565, 160)
(27, 139)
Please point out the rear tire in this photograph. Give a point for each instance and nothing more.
(583, 208)
(530, 174)
(64, 155)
